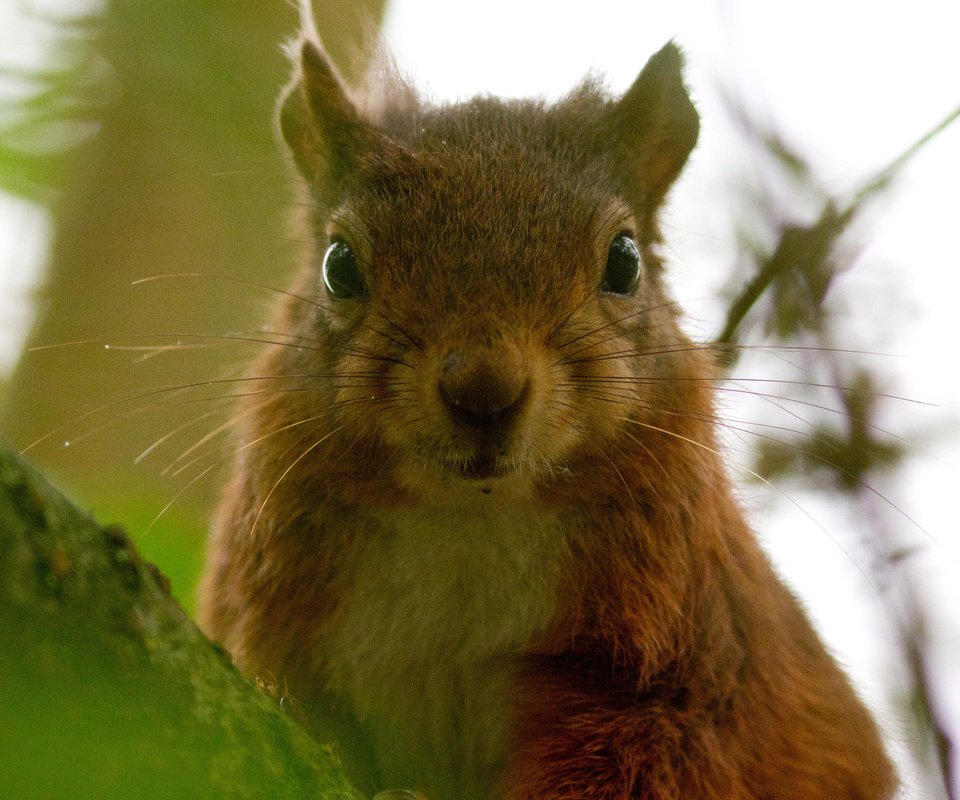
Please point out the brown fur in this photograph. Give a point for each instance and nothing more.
(675, 664)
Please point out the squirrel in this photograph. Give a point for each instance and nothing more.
(479, 526)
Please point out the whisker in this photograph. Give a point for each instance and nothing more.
(563, 322)
(763, 480)
(286, 472)
(615, 397)
(667, 507)
(108, 341)
(372, 357)
(169, 435)
(719, 387)
(834, 386)
(313, 302)
(417, 344)
(240, 448)
(618, 321)
(210, 435)
(170, 389)
(568, 357)
(176, 497)
(633, 500)
(350, 401)
(221, 277)
(798, 348)
(600, 395)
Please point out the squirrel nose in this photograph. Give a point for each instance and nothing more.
(483, 389)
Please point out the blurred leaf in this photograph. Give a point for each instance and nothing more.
(799, 270)
(56, 108)
(844, 453)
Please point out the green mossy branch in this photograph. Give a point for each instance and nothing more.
(108, 690)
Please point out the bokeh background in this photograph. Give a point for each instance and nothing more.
(815, 227)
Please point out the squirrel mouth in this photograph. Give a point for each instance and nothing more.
(483, 467)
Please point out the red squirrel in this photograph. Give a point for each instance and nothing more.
(479, 527)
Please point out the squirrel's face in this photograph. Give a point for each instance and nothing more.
(487, 292)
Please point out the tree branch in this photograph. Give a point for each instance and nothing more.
(109, 690)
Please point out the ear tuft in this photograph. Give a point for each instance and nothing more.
(323, 129)
(656, 124)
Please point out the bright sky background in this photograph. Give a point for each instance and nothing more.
(850, 83)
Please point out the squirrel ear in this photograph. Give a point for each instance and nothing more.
(321, 126)
(656, 124)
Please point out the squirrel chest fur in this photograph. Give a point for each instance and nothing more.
(478, 527)
(474, 582)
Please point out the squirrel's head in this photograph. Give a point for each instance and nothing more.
(487, 293)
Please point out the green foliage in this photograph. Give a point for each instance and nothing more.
(54, 109)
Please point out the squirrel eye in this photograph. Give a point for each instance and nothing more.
(340, 273)
(622, 273)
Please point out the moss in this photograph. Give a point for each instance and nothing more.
(109, 690)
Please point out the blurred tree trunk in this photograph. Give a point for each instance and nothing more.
(185, 176)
